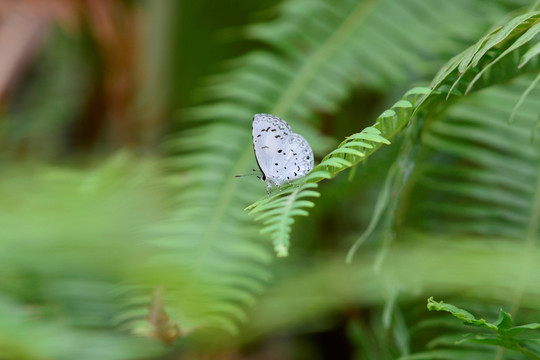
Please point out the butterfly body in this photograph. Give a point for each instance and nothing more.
(281, 154)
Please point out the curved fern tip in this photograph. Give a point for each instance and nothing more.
(437, 305)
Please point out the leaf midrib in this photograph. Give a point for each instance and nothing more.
(283, 220)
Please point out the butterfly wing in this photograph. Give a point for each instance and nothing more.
(282, 155)
(270, 135)
(297, 158)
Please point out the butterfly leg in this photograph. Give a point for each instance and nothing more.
(291, 184)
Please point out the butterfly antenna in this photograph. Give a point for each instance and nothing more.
(248, 174)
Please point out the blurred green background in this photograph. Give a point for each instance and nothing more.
(123, 233)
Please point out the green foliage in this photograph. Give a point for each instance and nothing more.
(318, 53)
(460, 181)
(482, 148)
(278, 214)
(501, 333)
(69, 238)
(279, 210)
(416, 265)
(84, 247)
(515, 35)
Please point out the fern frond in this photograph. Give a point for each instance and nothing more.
(480, 174)
(500, 333)
(359, 145)
(354, 149)
(318, 53)
(277, 215)
(476, 132)
(69, 237)
(517, 34)
(513, 37)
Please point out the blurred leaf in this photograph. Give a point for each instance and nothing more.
(461, 314)
(69, 238)
(504, 331)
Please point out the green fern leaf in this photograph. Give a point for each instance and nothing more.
(318, 53)
(503, 332)
(349, 153)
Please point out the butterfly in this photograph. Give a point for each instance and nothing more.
(281, 155)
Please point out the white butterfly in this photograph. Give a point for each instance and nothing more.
(281, 154)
